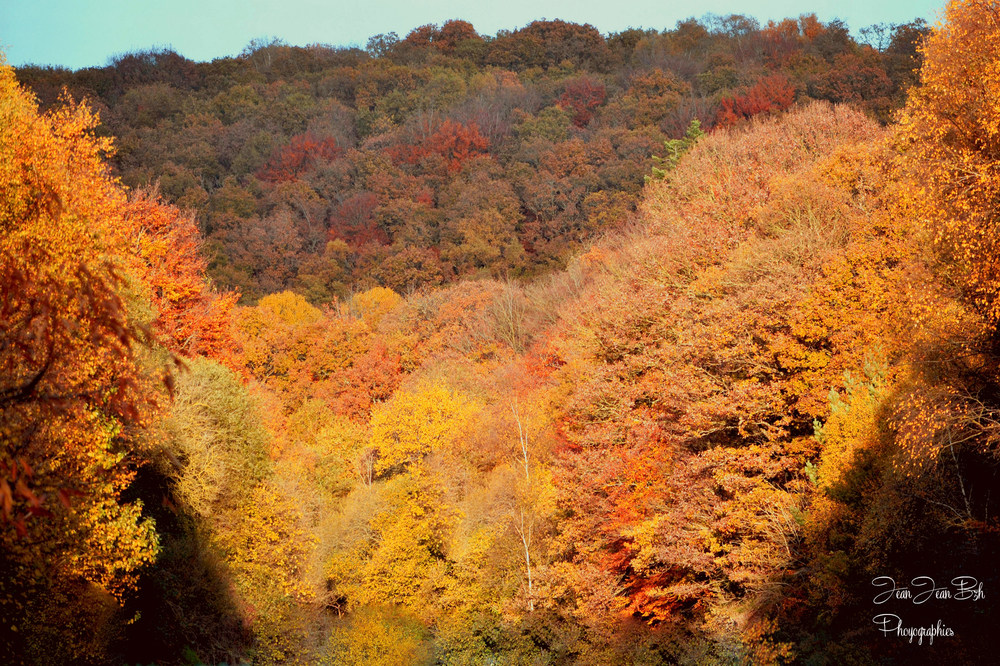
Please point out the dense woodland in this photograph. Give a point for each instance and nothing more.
(542, 348)
(448, 155)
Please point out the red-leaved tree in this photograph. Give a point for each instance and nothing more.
(300, 155)
(581, 97)
(771, 94)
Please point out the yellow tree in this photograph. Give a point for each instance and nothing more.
(74, 397)
(949, 138)
(374, 304)
(267, 551)
(414, 424)
(949, 144)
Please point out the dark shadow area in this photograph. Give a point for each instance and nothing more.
(933, 537)
(184, 608)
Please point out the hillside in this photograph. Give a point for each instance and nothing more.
(701, 429)
(448, 154)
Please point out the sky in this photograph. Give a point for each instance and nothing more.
(87, 33)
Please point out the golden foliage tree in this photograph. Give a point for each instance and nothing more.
(413, 424)
(74, 396)
(949, 137)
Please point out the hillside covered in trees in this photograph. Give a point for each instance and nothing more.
(542, 348)
(447, 154)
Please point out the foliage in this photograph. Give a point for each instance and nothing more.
(214, 433)
(582, 96)
(299, 156)
(486, 398)
(75, 390)
(948, 135)
(374, 304)
(284, 149)
(191, 318)
(412, 425)
(372, 634)
(675, 150)
(769, 95)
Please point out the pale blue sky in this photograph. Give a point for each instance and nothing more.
(84, 33)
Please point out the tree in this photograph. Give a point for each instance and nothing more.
(679, 465)
(374, 304)
(676, 148)
(374, 633)
(951, 143)
(299, 156)
(268, 550)
(455, 142)
(214, 432)
(582, 96)
(453, 33)
(353, 220)
(771, 94)
(191, 319)
(548, 43)
(74, 393)
(415, 424)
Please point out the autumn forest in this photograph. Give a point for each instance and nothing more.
(542, 347)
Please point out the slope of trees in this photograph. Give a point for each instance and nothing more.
(448, 154)
(695, 439)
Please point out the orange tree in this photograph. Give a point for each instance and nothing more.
(191, 319)
(74, 395)
(949, 156)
